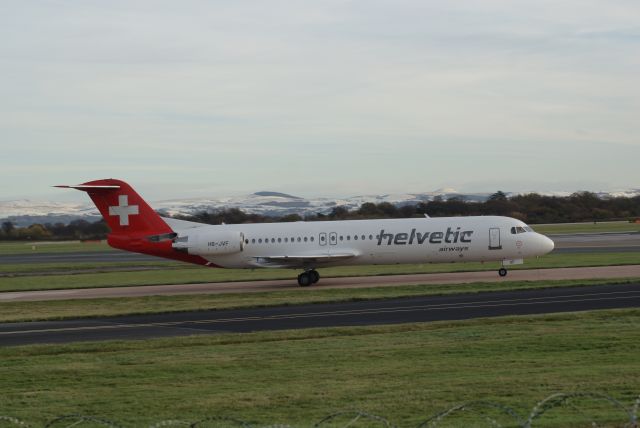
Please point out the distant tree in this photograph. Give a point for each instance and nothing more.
(34, 232)
(498, 196)
(290, 218)
(388, 209)
(339, 213)
(407, 211)
(7, 228)
(368, 210)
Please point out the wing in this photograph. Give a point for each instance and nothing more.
(312, 260)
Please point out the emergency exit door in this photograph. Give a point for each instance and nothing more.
(333, 238)
(494, 239)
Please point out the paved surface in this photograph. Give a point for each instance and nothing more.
(75, 257)
(348, 282)
(597, 241)
(420, 309)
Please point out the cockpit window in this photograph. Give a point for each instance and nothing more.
(528, 229)
(520, 229)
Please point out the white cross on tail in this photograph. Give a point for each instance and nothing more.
(124, 210)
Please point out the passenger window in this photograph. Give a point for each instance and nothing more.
(348, 237)
(253, 241)
(299, 239)
(311, 239)
(355, 237)
(260, 241)
(246, 241)
(273, 240)
(305, 239)
(286, 239)
(322, 238)
(341, 237)
(370, 237)
(279, 239)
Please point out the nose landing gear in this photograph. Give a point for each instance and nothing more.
(502, 271)
(308, 278)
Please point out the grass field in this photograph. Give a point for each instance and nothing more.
(67, 309)
(403, 372)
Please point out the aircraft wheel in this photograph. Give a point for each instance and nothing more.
(304, 280)
(502, 272)
(315, 276)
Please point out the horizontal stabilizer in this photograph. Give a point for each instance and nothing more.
(88, 187)
(181, 225)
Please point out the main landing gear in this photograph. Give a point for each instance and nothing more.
(308, 278)
(502, 272)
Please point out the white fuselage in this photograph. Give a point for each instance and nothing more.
(359, 242)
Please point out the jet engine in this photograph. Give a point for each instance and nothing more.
(210, 243)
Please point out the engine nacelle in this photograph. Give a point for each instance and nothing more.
(210, 243)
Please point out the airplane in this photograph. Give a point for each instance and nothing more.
(136, 227)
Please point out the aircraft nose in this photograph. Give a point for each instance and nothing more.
(546, 244)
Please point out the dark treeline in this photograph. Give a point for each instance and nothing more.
(531, 208)
(76, 230)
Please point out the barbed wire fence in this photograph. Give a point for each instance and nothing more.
(483, 413)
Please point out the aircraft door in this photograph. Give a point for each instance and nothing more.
(323, 238)
(494, 239)
(333, 238)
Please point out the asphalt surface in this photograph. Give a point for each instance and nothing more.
(373, 312)
(75, 257)
(597, 242)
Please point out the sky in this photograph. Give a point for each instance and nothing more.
(319, 98)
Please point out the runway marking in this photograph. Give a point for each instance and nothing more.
(574, 298)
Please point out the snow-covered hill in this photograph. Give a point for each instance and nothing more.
(26, 212)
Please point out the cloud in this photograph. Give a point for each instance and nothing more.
(309, 96)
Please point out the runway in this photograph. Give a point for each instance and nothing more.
(628, 271)
(372, 312)
(596, 242)
(78, 257)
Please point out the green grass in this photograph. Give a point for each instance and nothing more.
(590, 227)
(402, 372)
(81, 308)
(189, 274)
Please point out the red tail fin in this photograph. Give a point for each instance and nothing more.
(123, 209)
(134, 225)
